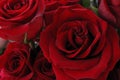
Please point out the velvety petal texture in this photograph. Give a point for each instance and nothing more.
(43, 69)
(52, 6)
(14, 63)
(109, 10)
(80, 45)
(20, 17)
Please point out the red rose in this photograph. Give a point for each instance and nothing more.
(43, 69)
(52, 5)
(14, 63)
(109, 10)
(62, 1)
(20, 17)
(80, 45)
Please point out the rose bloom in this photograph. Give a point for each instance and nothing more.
(109, 10)
(20, 17)
(52, 5)
(61, 1)
(80, 45)
(14, 63)
(43, 69)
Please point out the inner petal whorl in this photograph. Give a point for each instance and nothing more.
(17, 4)
(79, 33)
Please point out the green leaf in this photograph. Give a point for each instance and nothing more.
(1, 51)
(94, 9)
(25, 38)
(86, 3)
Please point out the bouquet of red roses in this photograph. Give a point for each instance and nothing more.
(59, 40)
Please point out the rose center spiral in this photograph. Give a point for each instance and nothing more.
(16, 4)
